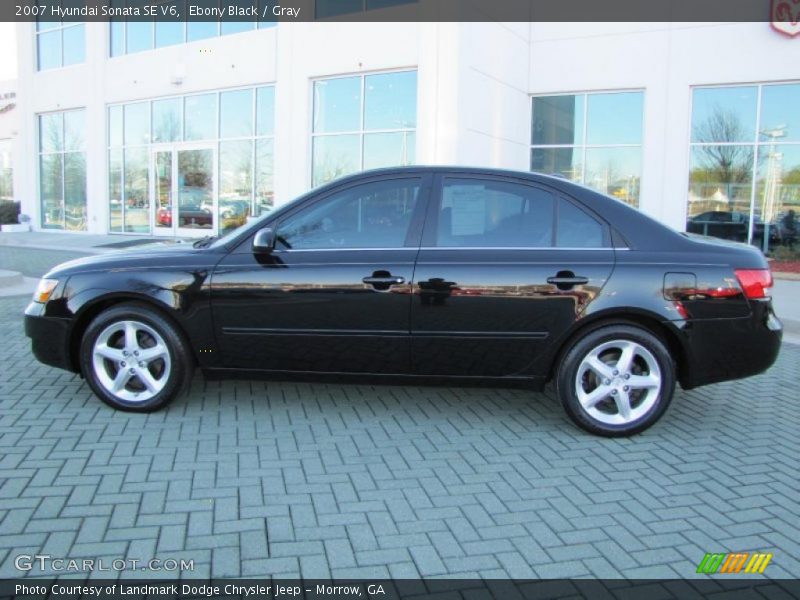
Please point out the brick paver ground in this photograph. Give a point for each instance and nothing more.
(253, 478)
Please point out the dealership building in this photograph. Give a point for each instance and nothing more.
(182, 129)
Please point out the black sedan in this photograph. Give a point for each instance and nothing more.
(440, 274)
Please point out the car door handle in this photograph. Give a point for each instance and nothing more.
(566, 279)
(388, 280)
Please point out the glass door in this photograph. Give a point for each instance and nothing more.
(184, 191)
(163, 192)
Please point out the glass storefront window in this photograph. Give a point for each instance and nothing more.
(236, 114)
(744, 177)
(363, 122)
(128, 37)
(62, 170)
(592, 138)
(200, 117)
(59, 44)
(6, 171)
(237, 185)
(167, 120)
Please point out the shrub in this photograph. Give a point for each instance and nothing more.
(9, 212)
(786, 254)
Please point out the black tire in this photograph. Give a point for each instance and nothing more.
(568, 371)
(175, 373)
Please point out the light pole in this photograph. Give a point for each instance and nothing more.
(772, 181)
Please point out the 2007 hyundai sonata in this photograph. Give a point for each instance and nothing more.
(446, 274)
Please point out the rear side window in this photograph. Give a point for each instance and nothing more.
(482, 213)
(577, 229)
(497, 214)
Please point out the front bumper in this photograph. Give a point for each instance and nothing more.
(727, 349)
(49, 337)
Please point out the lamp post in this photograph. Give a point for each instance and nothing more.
(772, 182)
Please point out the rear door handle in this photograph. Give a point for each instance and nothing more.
(566, 279)
(390, 280)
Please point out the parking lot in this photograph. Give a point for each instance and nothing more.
(254, 478)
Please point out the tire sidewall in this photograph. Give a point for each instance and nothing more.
(568, 369)
(179, 371)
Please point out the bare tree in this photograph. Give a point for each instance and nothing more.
(727, 163)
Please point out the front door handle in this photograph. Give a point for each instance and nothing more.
(565, 280)
(382, 281)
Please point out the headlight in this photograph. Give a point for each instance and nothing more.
(44, 290)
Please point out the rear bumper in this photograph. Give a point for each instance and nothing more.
(727, 349)
(49, 337)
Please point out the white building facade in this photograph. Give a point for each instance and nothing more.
(179, 130)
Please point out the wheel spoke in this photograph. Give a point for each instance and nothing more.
(147, 379)
(596, 395)
(626, 358)
(131, 342)
(150, 354)
(644, 381)
(121, 380)
(108, 352)
(599, 367)
(623, 402)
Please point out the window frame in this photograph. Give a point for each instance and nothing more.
(62, 153)
(583, 145)
(216, 142)
(413, 235)
(59, 27)
(431, 229)
(257, 25)
(361, 132)
(756, 143)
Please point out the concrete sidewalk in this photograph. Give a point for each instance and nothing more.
(82, 243)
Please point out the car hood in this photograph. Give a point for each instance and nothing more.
(149, 256)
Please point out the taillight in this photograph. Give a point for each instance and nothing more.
(754, 282)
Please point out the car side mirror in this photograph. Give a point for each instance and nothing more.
(264, 240)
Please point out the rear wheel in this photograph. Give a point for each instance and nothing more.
(134, 359)
(616, 380)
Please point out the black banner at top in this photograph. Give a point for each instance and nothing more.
(787, 11)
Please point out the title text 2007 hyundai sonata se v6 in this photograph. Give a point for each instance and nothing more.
(445, 274)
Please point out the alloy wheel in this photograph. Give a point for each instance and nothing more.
(618, 382)
(131, 361)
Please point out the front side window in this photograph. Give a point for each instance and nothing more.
(594, 139)
(371, 215)
(744, 173)
(62, 170)
(59, 44)
(497, 214)
(363, 122)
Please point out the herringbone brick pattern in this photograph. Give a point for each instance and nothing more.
(254, 478)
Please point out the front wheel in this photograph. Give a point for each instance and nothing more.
(134, 359)
(616, 380)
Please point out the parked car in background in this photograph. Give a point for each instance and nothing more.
(433, 274)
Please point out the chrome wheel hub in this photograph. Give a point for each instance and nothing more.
(618, 382)
(131, 361)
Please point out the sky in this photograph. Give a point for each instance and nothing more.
(8, 51)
